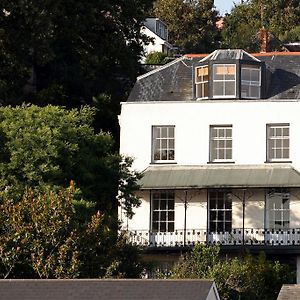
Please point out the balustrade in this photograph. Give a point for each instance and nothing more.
(190, 237)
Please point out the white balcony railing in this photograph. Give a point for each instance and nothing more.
(190, 237)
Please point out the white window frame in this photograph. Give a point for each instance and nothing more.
(278, 142)
(251, 83)
(222, 211)
(161, 144)
(224, 80)
(201, 82)
(163, 211)
(219, 140)
(278, 215)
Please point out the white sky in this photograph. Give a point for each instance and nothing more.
(224, 6)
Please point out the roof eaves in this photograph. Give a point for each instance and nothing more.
(161, 68)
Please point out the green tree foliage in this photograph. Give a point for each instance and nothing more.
(50, 146)
(156, 58)
(247, 277)
(41, 238)
(280, 18)
(65, 52)
(191, 24)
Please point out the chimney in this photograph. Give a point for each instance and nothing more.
(264, 39)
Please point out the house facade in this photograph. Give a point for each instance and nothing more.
(217, 138)
(157, 31)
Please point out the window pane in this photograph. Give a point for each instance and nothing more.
(278, 142)
(202, 82)
(285, 143)
(213, 215)
(163, 226)
(228, 216)
(155, 216)
(227, 227)
(163, 210)
(171, 204)
(228, 203)
(285, 131)
(213, 203)
(164, 155)
(277, 208)
(220, 216)
(250, 81)
(228, 154)
(170, 215)
(218, 88)
(245, 74)
(254, 92)
(163, 216)
(155, 205)
(220, 143)
(171, 226)
(163, 143)
(205, 89)
(171, 155)
(230, 88)
(163, 204)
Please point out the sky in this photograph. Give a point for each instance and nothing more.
(224, 6)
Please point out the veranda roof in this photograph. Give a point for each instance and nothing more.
(212, 176)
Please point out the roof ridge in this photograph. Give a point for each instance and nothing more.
(202, 55)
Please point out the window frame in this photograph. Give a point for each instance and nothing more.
(168, 213)
(202, 82)
(221, 213)
(272, 212)
(276, 139)
(250, 83)
(224, 81)
(219, 139)
(159, 139)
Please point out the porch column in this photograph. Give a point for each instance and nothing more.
(298, 270)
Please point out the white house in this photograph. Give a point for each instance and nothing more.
(157, 31)
(218, 140)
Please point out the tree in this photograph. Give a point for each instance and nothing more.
(42, 238)
(247, 277)
(280, 18)
(156, 58)
(50, 146)
(66, 52)
(191, 24)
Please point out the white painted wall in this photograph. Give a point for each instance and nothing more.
(192, 121)
(157, 44)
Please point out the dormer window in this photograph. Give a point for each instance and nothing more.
(224, 80)
(229, 74)
(250, 81)
(202, 82)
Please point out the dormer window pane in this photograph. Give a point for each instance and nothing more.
(201, 80)
(250, 81)
(224, 80)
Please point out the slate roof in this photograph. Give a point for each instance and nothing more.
(96, 289)
(174, 81)
(289, 291)
(225, 54)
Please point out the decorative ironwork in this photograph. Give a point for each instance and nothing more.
(238, 236)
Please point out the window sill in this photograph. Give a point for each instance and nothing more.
(163, 163)
(221, 162)
(278, 161)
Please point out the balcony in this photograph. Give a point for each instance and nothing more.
(237, 237)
